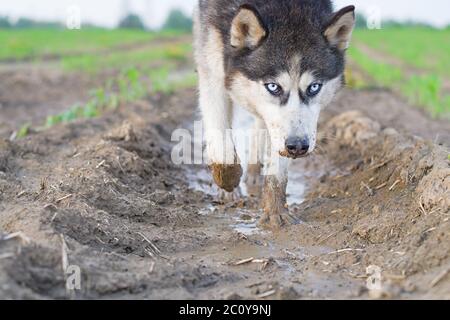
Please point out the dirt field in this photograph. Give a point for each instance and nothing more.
(103, 195)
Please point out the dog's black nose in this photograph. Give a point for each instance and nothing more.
(297, 147)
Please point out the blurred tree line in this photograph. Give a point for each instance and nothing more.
(25, 23)
(131, 21)
(179, 21)
(176, 20)
(4, 22)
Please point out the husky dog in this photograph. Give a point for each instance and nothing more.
(283, 61)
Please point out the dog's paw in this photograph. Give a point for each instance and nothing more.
(227, 176)
(275, 220)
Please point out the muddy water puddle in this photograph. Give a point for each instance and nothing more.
(270, 266)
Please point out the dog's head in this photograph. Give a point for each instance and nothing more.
(286, 66)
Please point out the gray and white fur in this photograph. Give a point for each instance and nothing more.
(282, 60)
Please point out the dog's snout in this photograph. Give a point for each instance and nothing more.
(297, 147)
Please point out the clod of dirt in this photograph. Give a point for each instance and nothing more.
(288, 293)
(416, 159)
(5, 155)
(232, 297)
(434, 188)
(379, 230)
(40, 270)
(123, 133)
(353, 128)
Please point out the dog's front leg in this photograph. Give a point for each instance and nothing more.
(254, 177)
(216, 109)
(276, 212)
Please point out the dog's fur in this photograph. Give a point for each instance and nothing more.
(241, 46)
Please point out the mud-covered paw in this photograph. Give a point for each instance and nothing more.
(227, 177)
(278, 219)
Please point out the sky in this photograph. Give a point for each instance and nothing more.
(108, 12)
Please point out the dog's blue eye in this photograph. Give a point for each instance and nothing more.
(274, 89)
(314, 89)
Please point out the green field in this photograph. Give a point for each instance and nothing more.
(35, 43)
(145, 56)
(423, 48)
(424, 72)
(95, 50)
(137, 63)
(18, 44)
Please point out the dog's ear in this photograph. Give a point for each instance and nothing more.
(247, 29)
(339, 30)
